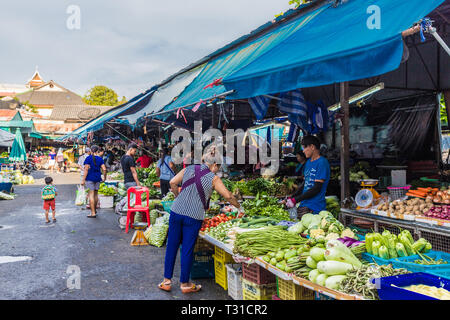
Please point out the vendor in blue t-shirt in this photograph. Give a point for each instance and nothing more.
(316, 171)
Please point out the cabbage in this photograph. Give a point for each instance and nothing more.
(317, 254)
(306, 219)
(296, 228)
(315, 220)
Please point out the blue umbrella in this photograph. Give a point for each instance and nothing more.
(18, 152)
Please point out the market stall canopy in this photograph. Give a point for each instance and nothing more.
(165, 94)
(356, 47)
(207, 85)
(6, 138)
(131, 107)
(18, 152)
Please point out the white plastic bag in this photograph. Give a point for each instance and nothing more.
(80, 199)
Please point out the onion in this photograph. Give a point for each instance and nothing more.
(439, 193)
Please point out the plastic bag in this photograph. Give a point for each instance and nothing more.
(80, 199)
(158, 234)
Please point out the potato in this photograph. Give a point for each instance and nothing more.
(401, 211)
(417, 213)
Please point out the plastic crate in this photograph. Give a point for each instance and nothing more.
(167, 205)
(202, 245)
(408, 263)
(390, 288)
(257, 274)
(203, 265)
(288, 290)
(275, 297)
(220, 273)
(234, 280)
(222, 255)
(397, 192)
(253, 291)
(380, 261)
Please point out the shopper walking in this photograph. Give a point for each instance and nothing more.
(165, 170)
(81, 159)
(60, 160)
(187, 214)
(128, 164)
(52, 160)
(93, 167)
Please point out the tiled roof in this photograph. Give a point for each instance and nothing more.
(43, 97)
(56, 128)
(77, 112)
(6, 114)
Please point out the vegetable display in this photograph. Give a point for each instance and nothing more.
(358, 281)
(260, 241)
(439, 212)
(169, 196)
(105, 190)
(265, 206)
(157, 234)
(413, 206)
(390, 246)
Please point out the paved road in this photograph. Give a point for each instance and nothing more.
(110, 267)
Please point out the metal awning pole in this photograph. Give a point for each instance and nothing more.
(438, 38)
(345, 141)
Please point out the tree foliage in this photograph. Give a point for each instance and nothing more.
(295, 4)
(101, 96)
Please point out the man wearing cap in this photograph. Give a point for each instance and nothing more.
(81, 160)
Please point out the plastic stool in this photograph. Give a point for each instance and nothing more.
(137, 191)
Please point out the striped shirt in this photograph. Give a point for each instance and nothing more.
(188, 202)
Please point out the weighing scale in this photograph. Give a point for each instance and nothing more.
(138, 236)
(367, 195)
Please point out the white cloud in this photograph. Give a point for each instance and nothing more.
(127, 45)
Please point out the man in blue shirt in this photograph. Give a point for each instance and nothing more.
(317, 175)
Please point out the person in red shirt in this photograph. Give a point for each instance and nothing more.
(144, 160)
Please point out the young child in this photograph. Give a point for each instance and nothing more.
(49, 194)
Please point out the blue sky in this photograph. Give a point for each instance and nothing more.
(127, 45)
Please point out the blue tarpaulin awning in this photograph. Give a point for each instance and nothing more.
(132, 106)
(339, 44)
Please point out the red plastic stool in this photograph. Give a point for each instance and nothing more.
(137, 191)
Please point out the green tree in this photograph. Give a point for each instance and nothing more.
(295, 4)
(124, 100)
(101, 96)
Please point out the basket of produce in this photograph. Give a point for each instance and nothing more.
(398, 192)
(435, 262)
(414, 286)
(383, 248)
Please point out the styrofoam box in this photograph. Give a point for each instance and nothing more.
(106, 202)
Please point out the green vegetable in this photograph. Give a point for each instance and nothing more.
(419, 245)
(313, 275)
(266, 258)
(375, 247)
(317, 254)
(342, 254)
(321, 278)
(391, 247)
(383, 252)
(334, 282)
(158, 235)
(311, 263)
(290, 254)
(333, 267)
(369, 240)
(279, 256)
(406, 242)
(273, 261)
(428, 247)
(401, 251)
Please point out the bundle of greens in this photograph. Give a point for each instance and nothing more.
(261, 241)
(265, 206)
(107, 191)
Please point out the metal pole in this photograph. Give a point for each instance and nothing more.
(345, 141)
(438, 38)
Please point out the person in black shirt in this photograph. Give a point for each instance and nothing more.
(129, 167)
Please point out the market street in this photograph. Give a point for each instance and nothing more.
(110, 267)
